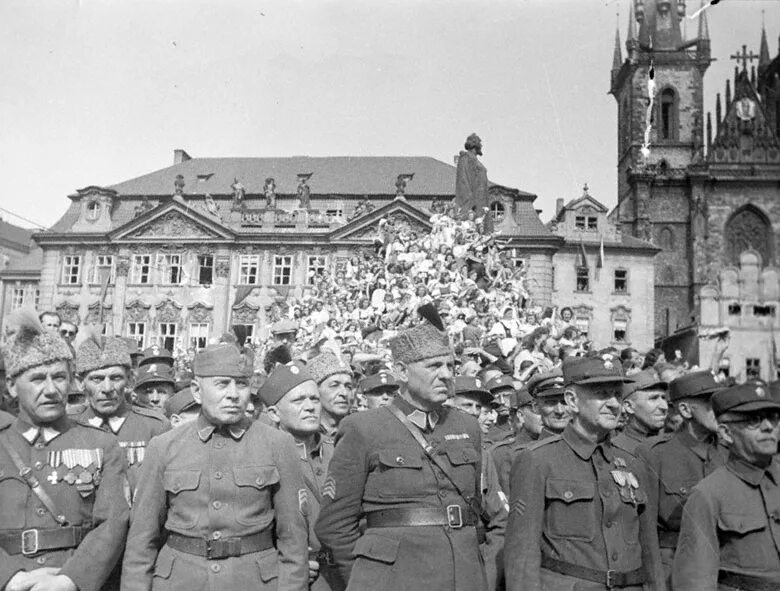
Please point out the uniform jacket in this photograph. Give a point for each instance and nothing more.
(378, 465)
(85, 494)
(631, 437)
(505, 452)
(133, 426)
(676, 463)
(571, 500)
(203, 482)
(731, 522)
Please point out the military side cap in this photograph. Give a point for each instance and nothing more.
(155, 373)
(467, 385)
(500, 383)
(97, 352)
(420, 342)
(593, 370)
(31, 345)
(693, 385)
(281, 380)
(520, 398)
(644, 380)
(383, 380)
(541, 382)
(156, 354)
(179, 402)
(325, 365)
(221, 360)
(284, 326)
(748, 397)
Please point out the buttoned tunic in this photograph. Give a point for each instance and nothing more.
(568, 503)
(731, 522)
(202, 482)
(83, 471)
(378, 465)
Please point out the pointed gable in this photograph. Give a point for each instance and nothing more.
(366, 228)
(172, 221)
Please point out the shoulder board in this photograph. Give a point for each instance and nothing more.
(148, 412)
(502, 443)
(542, 442)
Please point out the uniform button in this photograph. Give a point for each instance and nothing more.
(216, 535)
(218, 475)
(216, 505)
(38, 465)
(215, 568)
(442, 494)
(39, 445)
(400, 461)
(317, 471)
(40, 511)
(683, 490)
(259, 480)
(608, 524)
(568, 495)
(614, 556)
(607, 493)
(41, 560)
(219, 445)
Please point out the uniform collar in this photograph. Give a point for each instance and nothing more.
(312, 451)
(700, 448)
(31, 433)
(751, 473)
(584, 447)
(421, 419)
(114, 422)
(636, 431)
(206, 429)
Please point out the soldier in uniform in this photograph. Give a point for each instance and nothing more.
(528, 429)
(578, 518)
(156, 354)
(63, 521)
(379, 389)
(501, 388)
(644, 402)
(337, 394)
(220, 501)
(729, 533)
(292, 401)
(154, 386)
(182, 408)
(103, 370)
(678, 461)
(412, 469)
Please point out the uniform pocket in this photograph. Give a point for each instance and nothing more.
(377, 547)
(254, 486)
(570, 509)
(268, 565)
(400, 474)
(163, 566)
(740, 524)
(180, 486)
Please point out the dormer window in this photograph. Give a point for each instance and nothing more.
(93, 210)
(579, 222)
(593, 223)
(497, 210)
(582, 222)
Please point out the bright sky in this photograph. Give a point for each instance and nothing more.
(100, 91)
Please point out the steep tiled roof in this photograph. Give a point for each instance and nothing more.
(29, 262)
(15, 235)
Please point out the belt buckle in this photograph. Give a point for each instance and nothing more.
(609, 583)
(454, 516)
(29, 542)
(210, 550)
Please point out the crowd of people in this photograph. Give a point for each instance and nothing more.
(417, 424)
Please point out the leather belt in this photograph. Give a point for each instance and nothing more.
(453, 516)
(223, 547)
(32, 541)
(608, 578)
(324, 557)
(668, 538)
(748, 582)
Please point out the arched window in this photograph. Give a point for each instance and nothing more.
(93, 210)
(497, 209)
(748, 229)
(668, 115)
(666, 238)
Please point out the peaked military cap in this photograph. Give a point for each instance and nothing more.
(282, 379)
(467, 385)
(693, 385)
(383, 380)
(748, 397)
(520, 398)
(285, 326)
(179, 402)
(541, 382)
(500, 383)
(156, 354)
(155, 373)
(646, 379)
(593, 370)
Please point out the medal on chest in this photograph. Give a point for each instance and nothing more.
(626, 481)
(79, 467)
(134, 450)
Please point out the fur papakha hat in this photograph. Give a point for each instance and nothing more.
(31, 345)
(97, 352)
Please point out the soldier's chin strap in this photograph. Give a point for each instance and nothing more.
(27, 475)
(474, 502)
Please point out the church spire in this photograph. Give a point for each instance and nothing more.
(763, 54)
(704, 28)
(617, 56)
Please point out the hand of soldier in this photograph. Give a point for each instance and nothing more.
(314, 571)
(24, 580)
(54, 583)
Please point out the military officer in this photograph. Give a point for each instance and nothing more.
(678, 461)
(730, 531)
(220, 501)
(337, 394)
(379, 389)
(527, 431)
(644, 402)
(578, 518)
(412, 469)
(292, 401)
(501, 388)
(156, 354)
(154, 386)
(63, 520)
(103, 370)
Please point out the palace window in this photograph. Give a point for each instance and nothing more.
(93, 210)
(199, 335)
(583, 325)
(248, 269)
(749, 229)
(172, 269)
(71, 270)
(17, 298)
(282, 270)
(205, 269)
(583, 279)
(619, 330)
(593, 223)
(621, 281)
(315, 268)
(36, 298)
(337, 212)
(137, 331)
(497, 210)
(142, 265)
(247, 329)
(166, 336)
(753, 368)
(763, 311)
(579, 222)
(735, 310)
(103, 266)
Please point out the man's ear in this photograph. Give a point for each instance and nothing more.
(175, 420)
(195, 389)
(685, 410)
(273, 414)
(401, 371)
(572, 400)
(10, 385)
(628, 405)
(724, 433)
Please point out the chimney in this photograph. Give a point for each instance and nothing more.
(455, 159)
(558, 205)
(180, 156)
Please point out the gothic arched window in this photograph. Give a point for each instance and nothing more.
(668, 118)
(748, 229)
(666, 238)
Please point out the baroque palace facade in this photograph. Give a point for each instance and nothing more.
(182, 254)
